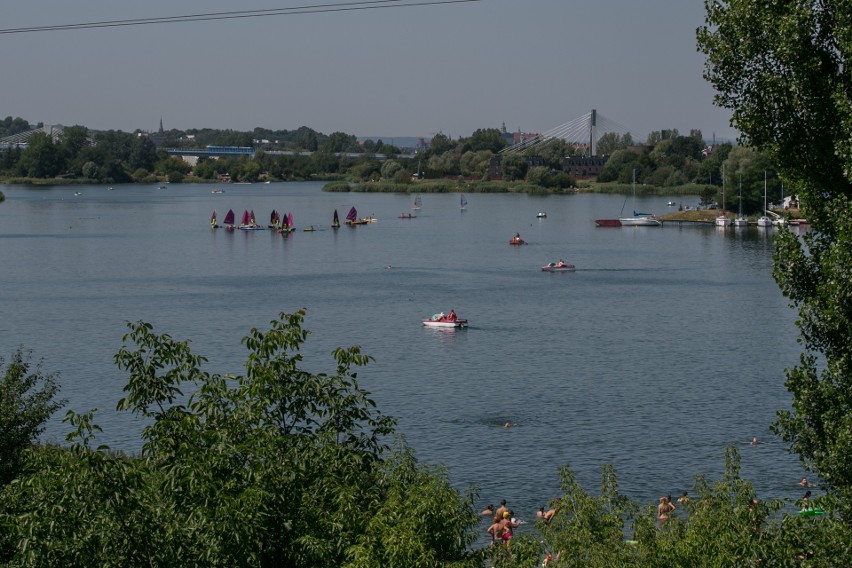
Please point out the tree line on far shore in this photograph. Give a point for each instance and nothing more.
(666, 159)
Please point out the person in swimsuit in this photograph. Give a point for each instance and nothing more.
(508, 526)
(664, 510)
(806, 500)
(496, 531)
(501, 509)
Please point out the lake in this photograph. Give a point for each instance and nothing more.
(664, 346)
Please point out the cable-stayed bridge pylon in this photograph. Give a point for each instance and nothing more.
(581, 131)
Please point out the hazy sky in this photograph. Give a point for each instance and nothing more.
(412, 71)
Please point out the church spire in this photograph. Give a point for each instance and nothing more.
(161, 125)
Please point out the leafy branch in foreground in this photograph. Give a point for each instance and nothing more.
(276, 467)
(26, 403)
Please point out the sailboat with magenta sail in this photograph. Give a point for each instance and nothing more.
(352, 218)
(229, 220)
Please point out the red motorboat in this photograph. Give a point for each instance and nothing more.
(517, 240)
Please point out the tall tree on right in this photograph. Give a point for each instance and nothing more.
(783, 69)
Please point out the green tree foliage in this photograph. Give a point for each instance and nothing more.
(390, 168)
(143, 153)
(10, 126)
(74, 140)
(41, 159)
(484, 139)
(782, 68)
(442, 165)
(90, 170)
(513, 167)
(27, 400)
(545, 177)
(364, 168)
(339, 142)
(417, 497)
(747, 167)
(609, 142)
(475, 164)
(274, 467)
(306, 139)
(439, 145)
(553, 152)
(619, 167)
(710, 168)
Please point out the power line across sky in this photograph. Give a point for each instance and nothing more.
(238, 14)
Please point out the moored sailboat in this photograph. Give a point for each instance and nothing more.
(639, 219)
(741, 221)
(764, 220)
(722, 220)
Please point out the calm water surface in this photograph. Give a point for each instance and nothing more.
(663, 347)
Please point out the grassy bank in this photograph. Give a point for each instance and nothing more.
(48, 181)
(453, 186)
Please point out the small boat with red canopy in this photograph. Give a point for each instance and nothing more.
(445, 320)
(558, 267)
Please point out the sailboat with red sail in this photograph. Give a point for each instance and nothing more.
(229, 220)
